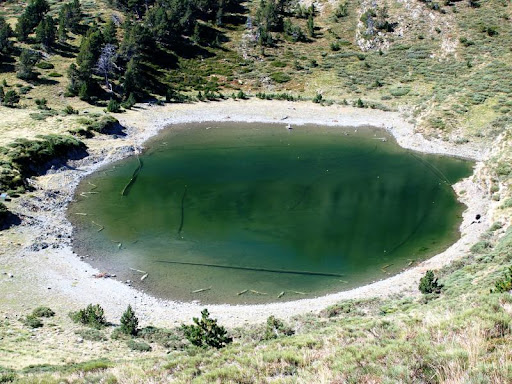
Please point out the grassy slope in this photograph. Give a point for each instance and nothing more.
(450, 90)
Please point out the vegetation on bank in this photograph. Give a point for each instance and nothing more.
(462, 334)
(24, 158)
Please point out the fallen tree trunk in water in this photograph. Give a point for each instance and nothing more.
(307, 273)
(127, 187)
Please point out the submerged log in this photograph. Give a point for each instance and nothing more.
(202, 290)
(257, 292)
(127, 187)
(307, 273)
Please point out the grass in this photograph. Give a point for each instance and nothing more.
(460, 94)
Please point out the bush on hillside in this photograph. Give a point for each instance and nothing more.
(429, 284)
(92, 316)
(206, 333)
(505, 284)
(276, 328)
(43, 312)
(129, 322)
(138, 346)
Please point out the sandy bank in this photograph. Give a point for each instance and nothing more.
(46, 271)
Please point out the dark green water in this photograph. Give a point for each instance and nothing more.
(334, 208)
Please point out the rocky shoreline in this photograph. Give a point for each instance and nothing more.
(45, 269)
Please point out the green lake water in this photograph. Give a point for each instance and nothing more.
(261, 208)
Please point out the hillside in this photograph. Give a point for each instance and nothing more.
(444, 67)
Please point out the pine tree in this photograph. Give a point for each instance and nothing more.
(132, 83)
(5, 33)
(206, 333)
(11, 98)
(311, 22)
(62, 31)
(90, 50)
(429, 284)
(45, 32)
(110, 33)
(28, 59)
(30, 18)
(129, 322)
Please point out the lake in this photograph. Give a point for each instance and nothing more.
(255, 213)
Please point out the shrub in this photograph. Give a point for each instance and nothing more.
(11, 98)
(429, 284)
(42, 104)
(32, 321)
(206, 333)
(129, 102)
(91, 334)
(280, 77)
(69, 110)
(45, 65)
(169, 338)
(43, 312)
(337, 309)
(129, 322)
(113, 106)
(276, 328)
(341, 11)
(92, 316)
(54, 74)
(481, 247)
(318, 98)
(505, 284)
(7, 377)
(138, 346)
(400, 91)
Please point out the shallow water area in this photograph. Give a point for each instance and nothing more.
(253, 213)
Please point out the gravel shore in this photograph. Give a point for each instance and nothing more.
(45, 270)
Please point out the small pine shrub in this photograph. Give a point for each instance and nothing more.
(43, 312)
(129, 102)
(92, 316)
(276, 328)
(280, 77)
(138, 346)
(318, 98)
(505, 284)
(429, 284)
(206, 333)
(129, 322)
(42, 104)
(45, 65)
(32, 321)
(113, 106)
(69, 110)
